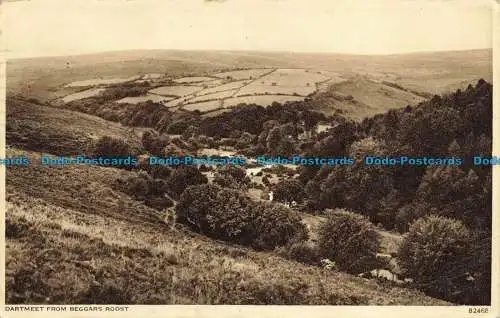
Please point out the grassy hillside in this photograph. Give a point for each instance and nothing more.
(73, 242)
(74, 236)
(47, 129)
(361, 97)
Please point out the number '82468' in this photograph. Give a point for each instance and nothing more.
(478, 310)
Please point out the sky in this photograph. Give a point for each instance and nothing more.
(62, 27)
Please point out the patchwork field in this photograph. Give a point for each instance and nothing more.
(101, 81)
(139, 99)
(223, 87)
(355, 86)
(173, 103)
(83, 94)
(356, 95)
(261, 87)
(258, 86)
(152, 76)
(244, 74)
(218, 95)
(193, 79)
(178, 90)
(285, 81)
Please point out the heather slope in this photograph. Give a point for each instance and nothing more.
(69, 242)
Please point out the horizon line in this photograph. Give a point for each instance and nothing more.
(245, 50)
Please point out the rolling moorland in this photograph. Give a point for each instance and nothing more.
(208, 235)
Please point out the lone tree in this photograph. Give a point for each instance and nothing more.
(350, 240)
(436, 254)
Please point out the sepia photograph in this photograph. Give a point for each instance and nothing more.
(235, 152)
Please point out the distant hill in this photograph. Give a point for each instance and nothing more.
(435, 72)
(360, 97)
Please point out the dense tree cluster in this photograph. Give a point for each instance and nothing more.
(121, 91)
(231, 177)
(226, 214)
(440, 252)
(252, 118)
(459, 124)
(441, 255)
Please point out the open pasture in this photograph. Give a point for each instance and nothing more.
(218, 95)
(173, 102)
(204, 106)
(140, 99)
(193, 79)
(285, 81)
(83, 94)
(223, 87)
(244, 74)
(263, 100)
(151, 76)
(214, 82)
(176, 90)
(101, 81)
(372, 93)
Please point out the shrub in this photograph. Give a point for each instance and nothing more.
(350, 240)
(228, 215)
(480, 294)
(178, 126)
(111, 147)
(226, 181)
(139, 186)
(245, 140)
(301, 251)
(152, 191)
(154, 143)
(265, 181)
(183, 177)
(118, 92)
(277, 225)
(409, 213)
(435, 253)
(231, 177)
(107, 293)
(159, 171)
(16, 229)
(237, 173)
(288, 191)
